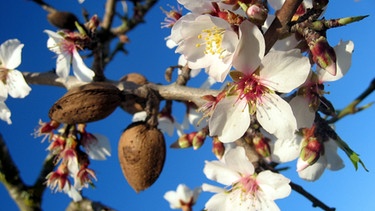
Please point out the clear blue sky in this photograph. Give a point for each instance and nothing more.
(346, 189)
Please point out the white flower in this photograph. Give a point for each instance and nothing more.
(11, 80)
(248, 190)
(183, 196)
(10, 59)
(254, 90)
(305, 104)
(67, 56)
(206, 42)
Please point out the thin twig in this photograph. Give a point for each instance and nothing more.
(352, 107)
(316, 202)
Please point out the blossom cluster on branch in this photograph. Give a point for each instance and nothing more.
(272, 107)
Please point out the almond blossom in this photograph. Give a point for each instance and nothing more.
(308, 98)
(207, 42)
(58, 181)
(245, 189)
(11, 80)
(183, 198)
(254, 90)
(63, 44)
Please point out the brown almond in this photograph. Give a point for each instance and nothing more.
(133, 104)
(141, 152)
(87, 103)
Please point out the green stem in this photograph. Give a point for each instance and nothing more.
(352, 107)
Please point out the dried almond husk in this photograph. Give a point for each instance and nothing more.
(87, 103)
(141, 152)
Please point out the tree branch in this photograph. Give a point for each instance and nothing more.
(316, 202)
(167, 92)
(87, 205)
(25, 199)
(279, 27)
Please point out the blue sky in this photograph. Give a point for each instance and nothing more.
(346, 189)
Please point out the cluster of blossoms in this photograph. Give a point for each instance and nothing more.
(64, 43)
(274, 102)
(72, 147)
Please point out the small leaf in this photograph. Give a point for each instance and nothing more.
(354, 157)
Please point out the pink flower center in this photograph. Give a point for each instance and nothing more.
(68, 46)
(249, 184)
(250, 88)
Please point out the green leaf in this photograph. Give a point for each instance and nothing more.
(354, 157)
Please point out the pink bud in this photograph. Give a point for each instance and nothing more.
(323, 54)
(257, 14)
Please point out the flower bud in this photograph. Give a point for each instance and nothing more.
(218, 147)
(184, 141)
(262, 147)
(93, 23)
(323, 54)
(310, 153)
(257, 14)
(199, 138)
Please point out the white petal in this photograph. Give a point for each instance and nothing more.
(80, 70)
(100, 149)
(184, 193)
(302, 112)
(285, 150)
(63, 65)
(286, 44)
(5, 113)
(10, 54)
(265, 203)
(194, 118)
(276, 4)
(17, 86)
(217, 202)
(139, 116)
(343, 52)
(284, 71)
(314, 172)
(173, 199)
(72, 192)
(53, 42)
(276, 116)
(250, 50)
(211, 188)
(166, 125)
(274, 185)
(218, 68)
(237, 160)
(230, 119)
(334, 161)
(218, 171)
